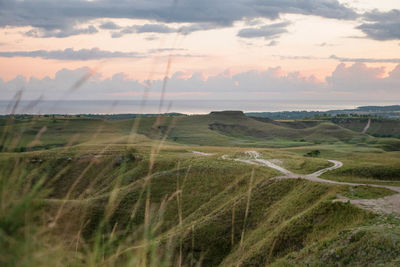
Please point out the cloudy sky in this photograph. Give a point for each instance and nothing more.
(209, 49)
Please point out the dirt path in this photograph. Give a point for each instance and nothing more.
(367, 126)
(202, 153)
(387, 205)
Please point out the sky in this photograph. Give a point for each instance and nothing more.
(203, 50)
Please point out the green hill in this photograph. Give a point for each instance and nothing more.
(378, 127)
(390, 112)
(195, 210)
(227, 128)
(235, 128)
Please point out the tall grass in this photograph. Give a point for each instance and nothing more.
(31, 228)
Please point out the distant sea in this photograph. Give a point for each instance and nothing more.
(180, 106)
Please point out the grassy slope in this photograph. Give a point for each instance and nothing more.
(378, 127)
(201, 204)
(362, 164)
(283, 217)
(374, 244)
(235, 129)
(221, 129)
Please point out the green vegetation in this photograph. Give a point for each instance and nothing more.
(378, 127)
(80, 191)
(367, 192)
(390, 112)
(369, 246)
(313, 153)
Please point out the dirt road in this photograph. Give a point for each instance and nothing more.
(367, 126)
(387, 205)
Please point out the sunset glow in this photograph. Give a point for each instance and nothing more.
(318, 49)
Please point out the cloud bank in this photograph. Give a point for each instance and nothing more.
(58, 33)
(71, 54)
(51, 18)
(366, 60)
(382, 26)
(60, 19)
(347, 82)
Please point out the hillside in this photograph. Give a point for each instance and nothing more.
(222, 129)
(228, 128)
(377, 128)
(141, 192)
(234, 128)
(391, 112)
(203, 210)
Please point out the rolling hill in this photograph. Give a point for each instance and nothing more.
(377, 128)
(226, 128)
(80, 191)
(235, 128)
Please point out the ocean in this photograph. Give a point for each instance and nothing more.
(179, 106)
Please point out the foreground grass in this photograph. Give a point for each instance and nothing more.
(199, 210)
(374, 244)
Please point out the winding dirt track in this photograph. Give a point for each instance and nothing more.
(367, 126)
(387, 205)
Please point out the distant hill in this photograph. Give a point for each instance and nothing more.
(377, 127)
(234, 128)
(127, 116)
(391, 112)
(225, 128)
(377, 111)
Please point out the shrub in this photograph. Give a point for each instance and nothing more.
(313, 153)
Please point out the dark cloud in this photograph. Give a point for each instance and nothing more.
(151, 38)
(366, 60)
(146, 28)
(267, 32)
(71, 54)
(109, 25)
(56, 15)
(197, 27)
(154, 28)
(382, 26)
(377, 15)
(162, 28)
(43, 33)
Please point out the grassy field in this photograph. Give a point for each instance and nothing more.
(77, 191)
(378, 127)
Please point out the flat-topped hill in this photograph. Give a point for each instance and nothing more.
(231, 113)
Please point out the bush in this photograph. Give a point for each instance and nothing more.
(20, 149)
(313, 153)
